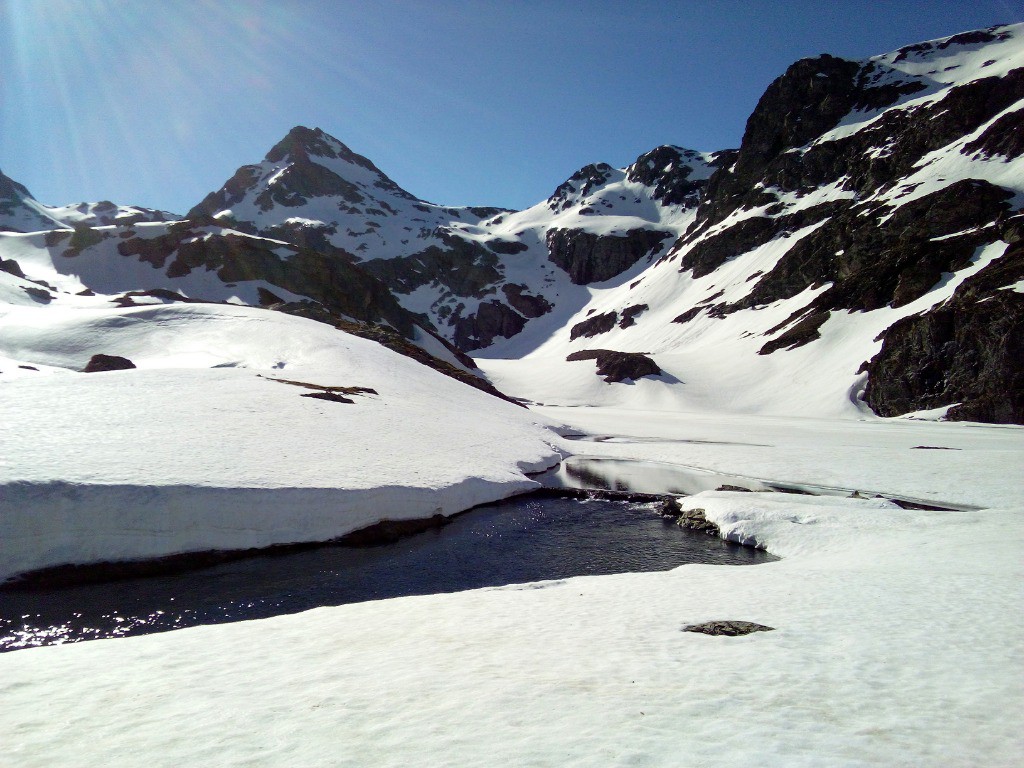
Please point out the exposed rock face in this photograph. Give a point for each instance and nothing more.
(12, 196)
(618, 366)
(491, 319)
(20, 212)
(797, 335)
(862, 192)
(301, 178)
(524, 303)
(580, 184)
(337, 284)
(696, 520)
(98, 363)
(11, 267)
(464, 267)
(630, 314)
(967, 351)
(590, 258)
(314, 192)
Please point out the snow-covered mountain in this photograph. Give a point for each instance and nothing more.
(475, 273)
(863, 248)
(21, 212)
(128, 256)
(860, 250)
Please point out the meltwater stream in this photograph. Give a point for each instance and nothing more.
(524, 540)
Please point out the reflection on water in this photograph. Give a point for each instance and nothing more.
(528, 539)
(641, 477)
(627, 475)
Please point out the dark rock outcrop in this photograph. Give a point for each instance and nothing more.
(802, 333)
(968, 351)
(11, 267)
(618, 366)
(463, 266)
(524, 303)
(868, 250)
(590, 258)
(594, 326)
(302, 179)
(696, 520)
(631, 313)
(579, 185)
(491, 319)
(667, 171)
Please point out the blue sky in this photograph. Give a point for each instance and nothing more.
(485, 103)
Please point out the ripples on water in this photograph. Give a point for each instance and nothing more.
(530, 539)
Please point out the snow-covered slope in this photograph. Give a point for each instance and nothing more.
(230, 433)
(259, 399)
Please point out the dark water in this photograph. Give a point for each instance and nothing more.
(529, 539)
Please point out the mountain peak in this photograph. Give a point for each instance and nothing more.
(302, 143)
(10, 189)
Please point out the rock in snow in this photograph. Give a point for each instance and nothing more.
(101, 362)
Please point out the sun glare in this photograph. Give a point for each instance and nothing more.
(131, 89)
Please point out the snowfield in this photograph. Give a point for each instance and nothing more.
(896, 636)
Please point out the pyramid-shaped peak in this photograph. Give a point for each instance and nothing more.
(302, 143)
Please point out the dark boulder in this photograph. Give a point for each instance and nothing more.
(696, 520)
(102, 362)
(727, 628)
